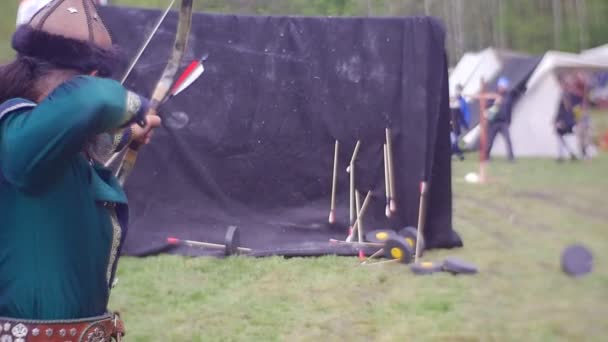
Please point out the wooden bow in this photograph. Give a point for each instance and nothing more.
(164, 84)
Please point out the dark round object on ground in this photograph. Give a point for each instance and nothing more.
(380, 235)
(426, 267)
(398, 248)
(232, 240)
(410, 234)
(577, 260)
(458, 266)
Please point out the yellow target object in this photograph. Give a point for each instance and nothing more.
(396, 253)
(380, 235)
(398, 248)
(411, 236)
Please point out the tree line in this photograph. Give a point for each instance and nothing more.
(532, 26)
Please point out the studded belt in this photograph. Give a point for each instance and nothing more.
(95, 329)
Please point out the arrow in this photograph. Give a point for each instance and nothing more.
(189, 76)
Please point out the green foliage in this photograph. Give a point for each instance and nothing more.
(8, 18)
(524, 25)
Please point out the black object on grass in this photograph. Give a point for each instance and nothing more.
(577, 260)
(398, 248)
(458, 266)
(410, 234)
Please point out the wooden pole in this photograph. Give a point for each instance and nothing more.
(351, 195)
(332, 210)
(391, 170)
(352, 205)
(387, 185)
(360, 223)
(421, 218)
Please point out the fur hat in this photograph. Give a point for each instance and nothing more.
(69, 34)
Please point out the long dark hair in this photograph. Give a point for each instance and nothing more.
(21, 77)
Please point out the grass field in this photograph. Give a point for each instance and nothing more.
(514, 229)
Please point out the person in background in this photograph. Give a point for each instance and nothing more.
(498, 111)
(565, 119)
(464, 107)
(63, 215)
(459, 119)
(582, 114)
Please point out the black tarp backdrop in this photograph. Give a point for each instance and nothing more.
(251, 143)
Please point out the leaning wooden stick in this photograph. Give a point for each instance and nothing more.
(383, 262)
(354, 156)
(391, 170)
(421, 218)
(332, 210)
(360, 224)
(362, 213)
(387, 185)
(379, 252)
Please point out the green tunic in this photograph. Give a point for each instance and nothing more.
(57, 241)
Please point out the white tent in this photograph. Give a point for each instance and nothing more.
(462, 71)
(596, 54)
(532, 127)
(473, 67)
(490, 64)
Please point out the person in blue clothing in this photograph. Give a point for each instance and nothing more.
(498, 110)
(464, 107)
(459, 120)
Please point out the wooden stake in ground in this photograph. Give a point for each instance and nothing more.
(353, 209)
(391, 171)
(421, 218)
(387, 186)
(332, 210)
(351, 193)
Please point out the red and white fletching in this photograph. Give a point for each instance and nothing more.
(190, 75)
